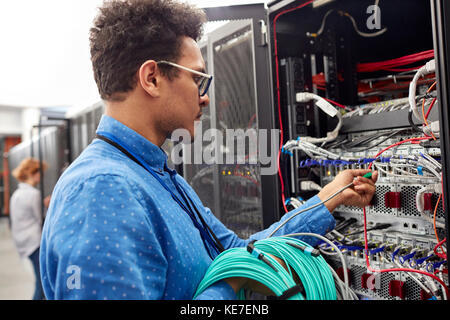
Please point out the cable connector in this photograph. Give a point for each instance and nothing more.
(437, 187)
(320, 102)
(258, 254)
(432, 127)
(308, 250)
(430, 143)
(430, 66)
(309, 186)
(406, 257)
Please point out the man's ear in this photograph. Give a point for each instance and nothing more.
(150, 78)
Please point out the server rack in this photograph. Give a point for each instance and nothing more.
(334, 56)
(237, 56)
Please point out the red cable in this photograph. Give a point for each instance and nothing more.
(391, 64)
(283, 199)
(429, 109)
(440, 255)
(335, 103)
(412, 140)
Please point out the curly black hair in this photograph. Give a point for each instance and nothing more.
(127, 33)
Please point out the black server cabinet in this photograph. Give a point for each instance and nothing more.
(237, 55)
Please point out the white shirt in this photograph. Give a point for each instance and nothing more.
(26, 219)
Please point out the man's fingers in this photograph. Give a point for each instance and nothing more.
(361, 179)
(359, 172)
(365, 188)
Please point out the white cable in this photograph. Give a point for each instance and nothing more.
(328, 108)
(429, 67)
(432, 160)
(387, 173)
(341, 256)
(420, 197)
(341, 285)
(427, 290)
(355, 26)
(322, 26)
(364, 34)
(420, 203)
(429, 166)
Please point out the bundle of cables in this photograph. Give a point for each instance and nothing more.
(317, 280)
(393, 64)
(256, 262)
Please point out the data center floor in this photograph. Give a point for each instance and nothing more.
(16, 275)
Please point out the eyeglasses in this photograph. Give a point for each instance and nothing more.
(203, 83)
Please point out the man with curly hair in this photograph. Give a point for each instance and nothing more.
(121, 224)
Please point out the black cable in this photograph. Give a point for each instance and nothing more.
(380, 226)
(363, 139)
(411, 123)
(345, 224)
(378, 143)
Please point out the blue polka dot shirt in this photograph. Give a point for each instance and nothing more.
(113, 232)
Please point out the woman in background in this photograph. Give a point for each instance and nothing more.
(26, 216)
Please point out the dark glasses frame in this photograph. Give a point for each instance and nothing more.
(205, 81)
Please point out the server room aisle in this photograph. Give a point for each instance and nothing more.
(16, 275)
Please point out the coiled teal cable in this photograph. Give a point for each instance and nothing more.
(237, 262)
(313, 272)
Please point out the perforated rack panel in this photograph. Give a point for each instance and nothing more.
(408, 226)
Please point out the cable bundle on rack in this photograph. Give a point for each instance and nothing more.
(393, 64)
(316, 281)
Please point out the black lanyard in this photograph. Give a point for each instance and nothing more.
(190, 209)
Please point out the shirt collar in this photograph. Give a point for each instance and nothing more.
(25, 185)
(153, 155)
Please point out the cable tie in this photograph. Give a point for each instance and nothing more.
(292, 292)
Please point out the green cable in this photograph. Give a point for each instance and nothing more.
(313, 271)
(237, 262)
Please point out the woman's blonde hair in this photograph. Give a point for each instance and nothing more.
(27, 168)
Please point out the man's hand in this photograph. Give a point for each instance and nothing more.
(47, 201)
(359, 195)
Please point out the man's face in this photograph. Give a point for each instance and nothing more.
(184, 105)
